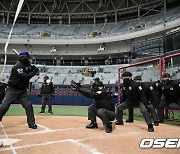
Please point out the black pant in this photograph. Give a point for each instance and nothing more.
(46, 99)
(21, 95)
(164, 103)
(105, 115)
(127, 105)
(151, 110)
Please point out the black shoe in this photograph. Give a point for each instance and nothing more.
(108, 128)
(129, 121)
(156, 123)
(50, 112)
(150, 128)
(161, 121)
(92, 125)
(119, 123)
(41, 112)
(33, 126)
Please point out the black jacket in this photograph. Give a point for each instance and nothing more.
(150, 92)
(47, 88)
(101, 98)
(133, 92)
(2, 91)
(20, 75)
(170, 91)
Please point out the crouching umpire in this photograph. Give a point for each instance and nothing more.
(102, 107)
(18, 82)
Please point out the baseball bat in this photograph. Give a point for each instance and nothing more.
(15, 51)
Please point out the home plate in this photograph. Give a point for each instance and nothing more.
(6, 141)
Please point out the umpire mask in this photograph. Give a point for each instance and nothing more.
(126, 80)
(25, 61)
(166, 81)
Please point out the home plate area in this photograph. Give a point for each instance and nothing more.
(67, 135)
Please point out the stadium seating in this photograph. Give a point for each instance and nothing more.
(84, 31)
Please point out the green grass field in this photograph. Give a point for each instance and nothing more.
(17, 110)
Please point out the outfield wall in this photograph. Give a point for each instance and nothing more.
(75, 100)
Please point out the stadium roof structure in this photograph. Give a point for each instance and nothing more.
(82, 11)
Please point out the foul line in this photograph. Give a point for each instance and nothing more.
(84, 146)
(77, 142)
(11, 146)
(46, 130)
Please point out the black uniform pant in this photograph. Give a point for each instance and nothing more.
(13, 94)
(46, 99)
(163, 103)
(127, 105)
(151, 110)
(105, 115)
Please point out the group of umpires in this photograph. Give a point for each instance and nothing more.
(151, 97)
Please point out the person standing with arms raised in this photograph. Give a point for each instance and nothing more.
(18, 83)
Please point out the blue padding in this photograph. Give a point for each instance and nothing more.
(78, 100)
(58, 100)
(86, 101)
(68, 100)
(115, 100)
(38, 99)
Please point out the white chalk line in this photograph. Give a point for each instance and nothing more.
(40, 132)
(77, 141)
(46, 130)
(86, 147)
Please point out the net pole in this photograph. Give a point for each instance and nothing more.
(135, 64)
(166, 111)
(119, 87)
(162, 70)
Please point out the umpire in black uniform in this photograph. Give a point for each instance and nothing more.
(170, 89)
(47, 90)
(151, 96)
(132, 94)
(102, 106)
(18, 82)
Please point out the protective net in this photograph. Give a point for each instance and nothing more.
(151, 71)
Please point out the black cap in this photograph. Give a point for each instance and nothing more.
(46, 77)
(126, 74)
(100, 84)
(137, 78)
(97, 79)
(166, 75)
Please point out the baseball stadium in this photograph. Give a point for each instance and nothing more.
(89, 76)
